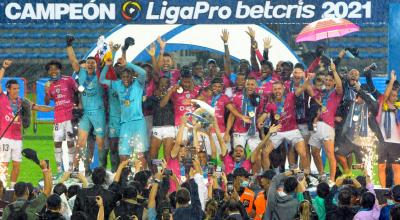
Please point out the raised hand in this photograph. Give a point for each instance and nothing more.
(161, 42)
(392, 75)
(115, 47)
(252, 34)
(7, 63)
(151, 50)
(69, 38)
(333, 67)
(225, 35)
(267, 43)
(99, 201)
(274, 128)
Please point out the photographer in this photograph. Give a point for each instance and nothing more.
(53, 208)
(345, 208)
(188, 205)
(283, 202)
(21, 206)
(86, 198)
(129, 206)
(241, 186)
(260, 203)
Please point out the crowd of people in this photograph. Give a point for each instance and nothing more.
(226, 134)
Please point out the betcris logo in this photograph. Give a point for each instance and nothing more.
(131, 10)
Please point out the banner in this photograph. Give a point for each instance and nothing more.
(192, 11)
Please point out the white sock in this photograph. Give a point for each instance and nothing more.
(71, 156)
(58, 154)
(12, 185)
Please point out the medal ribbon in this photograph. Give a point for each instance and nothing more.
(128, 92)
(262, 82)
(280, 106)
(246, 108)
(182, 170)
(88, 80)
(325, 97)
(214, 100)
(387, 124)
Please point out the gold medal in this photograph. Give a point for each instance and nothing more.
(324, 109)
(179, 90)
(81, 88)
(127, 102)
(277, 117)
(47, 84)
(252, 114)
(16, 118)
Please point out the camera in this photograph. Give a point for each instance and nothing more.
(347, 181)
(300, 176)
(167, 172)
(229, 187)
(74, 175)
(373, 66)
(210, 168)
(156, 165)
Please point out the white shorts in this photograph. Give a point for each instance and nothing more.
(323, 133)
(304, 130)
(10, 150)
(162, 132)
(243, 138)
(208, 145)
(61, 131)
(291, 137)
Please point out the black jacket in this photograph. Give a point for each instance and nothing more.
(193, 211)
(86, 201)
(334, 212)
(49, 215)
(372, 103)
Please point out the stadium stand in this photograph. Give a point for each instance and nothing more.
(32, 45)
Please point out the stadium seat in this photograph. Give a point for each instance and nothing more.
(359, 44)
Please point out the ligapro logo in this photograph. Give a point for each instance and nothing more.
(131, 10)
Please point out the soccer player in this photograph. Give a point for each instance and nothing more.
(163, 120)
(61, 89)
(93, 106)
(250, 104)
(10, 124)
(133, 133)
(181, 95)
(221, 102)
(388, 118)
(325, 132)
(282, 108)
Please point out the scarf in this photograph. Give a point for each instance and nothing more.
(357, 121)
